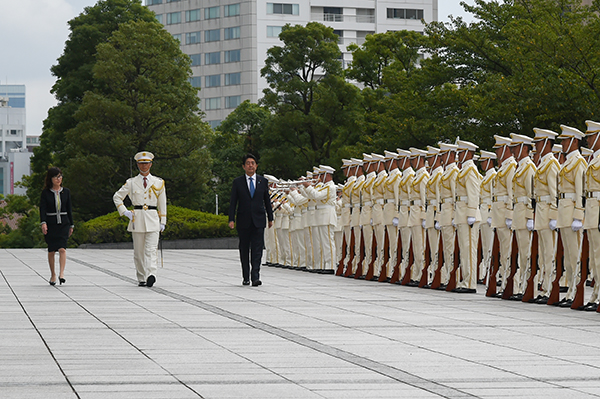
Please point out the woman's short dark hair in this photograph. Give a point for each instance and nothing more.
(52, 172)
(246, 157)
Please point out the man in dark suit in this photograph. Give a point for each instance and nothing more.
(250, 195)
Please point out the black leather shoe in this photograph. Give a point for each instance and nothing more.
(498, 294)
(256, 283)
(591, 307)
(565, 304)
(151, 280)
(413, 283)
(328, 271)
(61, 280)
(559, 302)
(52, 282)
(427, 286)
(442, 287)
(141, 284)
(564, 289)
(542, 300)
(516, 297)
(245, 282)
(480, 281)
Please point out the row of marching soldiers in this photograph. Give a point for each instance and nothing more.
(527, 226)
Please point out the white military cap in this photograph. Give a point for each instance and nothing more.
(403, 153)
(586, 152)
(485, 155)
(346, 163)
(445, 147)
(521, 139)
(592, 127)
(144, 157)
(415, 152)
(309, 174)
(431, 151)
(475, 157)
(466, 145)
(326, 169)
(271, 179)
(556, 149)
(570, 132)
(390, 155)
(357, 162)
(367, 157)
(377, 157)
(543, 134)
(501, 141)
(316, 170)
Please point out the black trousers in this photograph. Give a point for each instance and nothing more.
(252, 242)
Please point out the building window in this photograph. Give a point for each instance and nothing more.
(279, 8)
(196, 59)
(233, 101)
(212, 35)
(177, 37)
(232, 56)
(213, 103)
(192, 15)
(212, 81)
(231, 33)
(402, 13)
(212, 12)
(172, 1)
(333, 14)
(196, 81)
(153, 2)
(231, 10)
(173, 18)
(214, 124)
(159, 18)
(273, 31)
(212, 58)
(232, 79)
(193, 37)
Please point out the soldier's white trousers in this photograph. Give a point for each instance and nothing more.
(467, 242)
(418, 245)
(145, 247)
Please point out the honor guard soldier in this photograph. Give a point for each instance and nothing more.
(298, 252)
(545, 189)
(148, 218)
(390, 208)
(378, 221)
(587, 154)
(355, 218)
(366, 211)
(486, 160)
(348, 170)
(283, 233)
(432, 223)
(408, 174)
(324, 194)
(592, 210)
(523, 222)
(270, 234)
(557, 150)
(416, 217)
(467, 216)
(300, 233)
(447, 195)
(338, 231)
(502, 206)
(570, 207)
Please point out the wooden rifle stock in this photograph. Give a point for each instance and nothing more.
(427, 257)
(411, 259)
(510, 279)
(555, 291)
(396, 275)
(533, 261)
(340, 267)
(437, 276)
(479, 253)
(352, 254)
(386, 257)
(494, 266)
(452, 281)
(371, 269)
(583, 260)
(361, 256)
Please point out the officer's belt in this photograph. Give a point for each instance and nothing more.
(356, 206)
(486, 201)
(463, 198)
(545, 198)
(297, 215)
(380, 201)
(571, 196)
(593, 194)
(500, 198)
(323, 206)
(432, 202)
(523, 200)
(311, 208)
(347, 205)
(405, 203)
(390, 201)
(367, 203)
(144, 207)
(447, 200)
(416, 202)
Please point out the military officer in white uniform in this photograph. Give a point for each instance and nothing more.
(486, 160)
(348, 167)
(390, 209)
(148, 218)
(447, 195)
(378, 220)
(417, 215)
(432, 223)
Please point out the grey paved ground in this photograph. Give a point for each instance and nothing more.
(199, 334)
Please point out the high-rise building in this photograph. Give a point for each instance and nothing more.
(14, 157)
(228, 40)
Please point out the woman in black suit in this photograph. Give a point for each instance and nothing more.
(56, 217)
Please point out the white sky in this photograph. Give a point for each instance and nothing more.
(33, 35)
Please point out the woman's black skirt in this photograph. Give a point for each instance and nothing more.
(57, 236)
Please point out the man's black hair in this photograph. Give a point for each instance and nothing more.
(246, 158)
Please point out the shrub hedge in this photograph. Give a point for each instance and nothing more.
(182, 223)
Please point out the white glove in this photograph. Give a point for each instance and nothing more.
(552, 224)
(129, 214)
(437, 226)
(395, 222)
(489, 222)
(423, 223)
(508, 223)
(453, 225)
(162, 227)
(576, 225)
(371, 222)
(470, 220)
(530, 224)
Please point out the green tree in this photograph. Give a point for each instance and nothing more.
(28, 233)
(142, 100)
(73, 74)
(315, 111)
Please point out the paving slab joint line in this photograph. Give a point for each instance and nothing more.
(380, 368)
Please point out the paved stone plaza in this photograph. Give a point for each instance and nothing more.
(200, 334)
